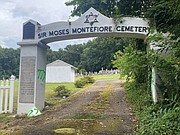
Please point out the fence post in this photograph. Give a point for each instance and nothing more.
(12, 79)
(1, 96)
(6, 96)
(154, 85)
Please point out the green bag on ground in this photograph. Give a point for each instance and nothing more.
(34, 112)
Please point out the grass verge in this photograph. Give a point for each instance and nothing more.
(154, 119)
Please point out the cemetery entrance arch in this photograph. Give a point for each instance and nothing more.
(34, 47)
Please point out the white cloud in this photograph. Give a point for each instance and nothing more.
(14, 12)
(2, 43)
(63, 44)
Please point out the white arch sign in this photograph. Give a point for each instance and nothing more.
(36, 37)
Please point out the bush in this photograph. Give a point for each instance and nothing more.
(88, 79)
(160, 121)
(80, 83)
(61, 91)
(154, 119)
(83, 81)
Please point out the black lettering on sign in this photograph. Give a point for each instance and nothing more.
(74, 30)
(92, 29)
(95, 29)
(59, 32)
(129, 28)
(56, 33)
(136, 29)
(110, 28)
(140, 29)
(79, 30)
(42, 35)
(145, 29)
(67, 31)
(101, 29)
(51, 33)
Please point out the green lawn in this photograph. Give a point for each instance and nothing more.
(50, 97)
(106, 77)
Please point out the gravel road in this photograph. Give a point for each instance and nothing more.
(84, 113)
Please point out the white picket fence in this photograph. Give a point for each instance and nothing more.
(7, 95)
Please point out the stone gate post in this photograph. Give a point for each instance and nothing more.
(31, 91)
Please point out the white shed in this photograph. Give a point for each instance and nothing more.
(60, 71)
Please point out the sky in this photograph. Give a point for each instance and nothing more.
(13, 13)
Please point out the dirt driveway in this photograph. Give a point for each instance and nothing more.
(98, 110)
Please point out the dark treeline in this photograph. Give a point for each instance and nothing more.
(90, 56)
(9, 62)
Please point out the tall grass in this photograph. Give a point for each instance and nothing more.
(154, 119)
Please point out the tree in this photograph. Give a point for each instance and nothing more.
(73, 54)
(132, 63)
(70, 54)
(111, 8)
(99, 53)
(9, 62)
(81, 6)
(165, 16)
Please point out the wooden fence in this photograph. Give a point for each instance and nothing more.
(7, 95)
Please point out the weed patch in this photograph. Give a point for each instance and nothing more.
(89, 116)
(102, 101)
(153, 119)
(67, 131)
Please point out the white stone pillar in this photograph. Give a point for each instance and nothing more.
(32, 77)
